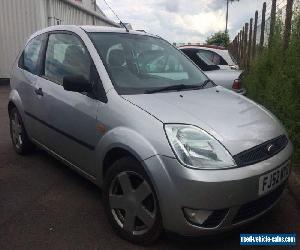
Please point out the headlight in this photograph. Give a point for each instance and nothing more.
(196, 148)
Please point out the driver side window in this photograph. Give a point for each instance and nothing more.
(66, 56)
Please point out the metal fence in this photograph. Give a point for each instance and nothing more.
(258, 32)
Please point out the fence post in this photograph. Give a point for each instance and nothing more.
(235, 46)
(254, 35)
(242, 46)
(245, 45)
(249, 44)
(272, 23)
(239, 47)
(288, 23)
(231, 47)
(262, 27)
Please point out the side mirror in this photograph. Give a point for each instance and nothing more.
(77, 84)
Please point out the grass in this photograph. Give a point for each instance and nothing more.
(274, 81)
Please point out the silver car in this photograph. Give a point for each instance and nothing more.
(128, 111)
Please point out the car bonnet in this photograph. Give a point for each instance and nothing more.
(234, 120)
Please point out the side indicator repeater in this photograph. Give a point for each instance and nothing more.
(101, 128)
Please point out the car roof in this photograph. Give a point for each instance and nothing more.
(201, 47)
(93, 28)
(89, 28)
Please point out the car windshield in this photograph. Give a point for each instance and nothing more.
(145, 64)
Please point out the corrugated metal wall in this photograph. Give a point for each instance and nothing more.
(63, 12)
(20, 18)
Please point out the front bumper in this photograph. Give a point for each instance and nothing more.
(228, 191)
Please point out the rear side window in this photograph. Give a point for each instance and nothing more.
(213, 57)
(66, 56)
(30, 57)
(199, 59)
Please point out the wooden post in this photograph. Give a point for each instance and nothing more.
(254, 35)
(234, 50)
(238, 47)
(262, 27)
(288, 23)
(242, 48)
(249, 44)
(242, 45)
(231, 47)
(245, 45)
(272, 23)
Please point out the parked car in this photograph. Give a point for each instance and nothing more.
(217, 55)
(226, 78)
(170, 149)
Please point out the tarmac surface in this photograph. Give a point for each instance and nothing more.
(45, 205)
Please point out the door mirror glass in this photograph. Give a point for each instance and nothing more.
(77, 83)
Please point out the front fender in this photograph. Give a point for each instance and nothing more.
(127, 139)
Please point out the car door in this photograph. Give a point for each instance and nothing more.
(29, 89)
(71, 116)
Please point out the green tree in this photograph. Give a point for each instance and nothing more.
(218, 38)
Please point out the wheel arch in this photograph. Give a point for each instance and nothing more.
(120, 142)
(15, 101)
(113, 155)
(10, 106)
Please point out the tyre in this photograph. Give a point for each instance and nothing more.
(131, 203)
(20, 140)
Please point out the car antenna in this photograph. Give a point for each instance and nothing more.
(116, 16)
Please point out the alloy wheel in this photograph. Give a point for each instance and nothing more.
(132, 202)
(16, 130)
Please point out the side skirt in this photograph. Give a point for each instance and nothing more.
(66, 162)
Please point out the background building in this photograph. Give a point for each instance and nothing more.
(20, 18)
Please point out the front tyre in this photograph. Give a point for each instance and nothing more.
(20, 140)
(131, 203)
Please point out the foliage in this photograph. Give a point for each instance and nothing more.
(274, 81)
(219, 38)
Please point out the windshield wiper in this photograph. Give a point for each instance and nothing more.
(173, 87)
(206, 82)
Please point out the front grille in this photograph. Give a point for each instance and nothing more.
(261, 152)
(215, 218)
(256, 207)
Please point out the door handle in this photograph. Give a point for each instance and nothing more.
(39, 91)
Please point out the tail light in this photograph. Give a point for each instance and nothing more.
(237, 85)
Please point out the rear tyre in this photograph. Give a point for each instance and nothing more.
(20, 140)
(131, 203)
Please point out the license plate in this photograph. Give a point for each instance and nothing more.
(273, 179)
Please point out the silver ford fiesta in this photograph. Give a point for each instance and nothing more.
(170, 149)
